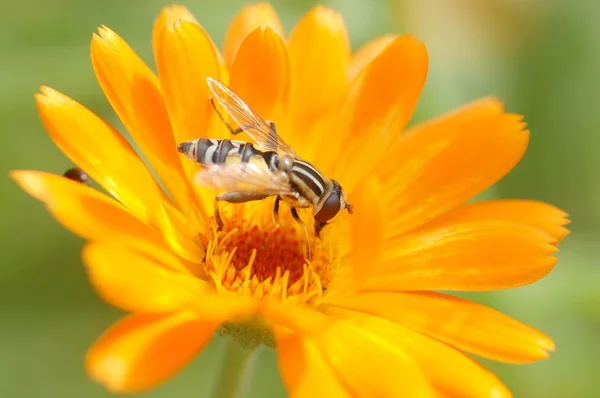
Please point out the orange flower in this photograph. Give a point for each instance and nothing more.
(362, 317)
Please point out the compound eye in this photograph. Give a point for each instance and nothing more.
(330, 208)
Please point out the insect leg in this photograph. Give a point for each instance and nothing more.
(225, 122)
(276, 212)
(299, 221)
(319, 225)
(240, 129)
(234, 197)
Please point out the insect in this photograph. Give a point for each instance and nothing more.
(76, 174)
(270, 167)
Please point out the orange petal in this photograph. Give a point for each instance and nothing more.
(369, 363)
(319, 57)
(368, 52)
(380, 103)
(175, 14)
(471, 256)
(543, 216)
(305, 372)
(134, 93)
(440, 165)
(143, 350)
(169, 16)
(252, 16)
(450, 371)
(461, 323)
(92, 215)
(260, 74)
(133, 282)
(367, 230)
(101, 151)
(185, 58)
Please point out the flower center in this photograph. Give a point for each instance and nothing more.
(252, 256)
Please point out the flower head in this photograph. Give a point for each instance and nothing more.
(362, 316)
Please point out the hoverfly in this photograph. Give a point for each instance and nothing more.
(270, 167)
(76, 174)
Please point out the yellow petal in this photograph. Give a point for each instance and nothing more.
(439, 166)
(380, 103)
(134, 93)
(543, 216)
(368, 52)
(92, 215)
(133, 282)
(305, 372)
(450, 371)
(319, 57)
(471, 256)
(461, 323)
(252, 16)
(143, 350)
(260, 74)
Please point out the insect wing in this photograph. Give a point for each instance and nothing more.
(245, 177)
(260, 131)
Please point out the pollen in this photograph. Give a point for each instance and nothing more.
(261, 260)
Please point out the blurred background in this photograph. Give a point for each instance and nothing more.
(541, 56)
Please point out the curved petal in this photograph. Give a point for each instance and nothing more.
(251, 17)
(380, 103)
(368, 52)
(441, 165)
(93, 215)
(97, 148)
(319, 57)
(134, 282)
(450, 371)
(260, 74)
(543, 216)
(143, 350)
(473, 256)
(461, 323)
(305, 372)
(134, 93)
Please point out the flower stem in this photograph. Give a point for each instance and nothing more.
(235, 370)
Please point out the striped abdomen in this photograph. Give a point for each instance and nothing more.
(308, 180)
(212, 151)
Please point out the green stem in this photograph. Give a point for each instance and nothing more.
(234, 373)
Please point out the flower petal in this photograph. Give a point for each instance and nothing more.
(185, 58)
(143, 350)
(439, 166)
(368, 52)
(134, 93)
(451, 372)
(169, 16)
(93, 215)
(134, 282)
(319, 57)
(473, 256)
(305, 372)
(380, 103)
(252, 16)
(461, 323)
(260, 74)
(543, 216)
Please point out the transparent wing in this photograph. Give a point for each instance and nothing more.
(260, 131)
(245, 177)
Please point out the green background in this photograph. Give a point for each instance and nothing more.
(541, 57)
